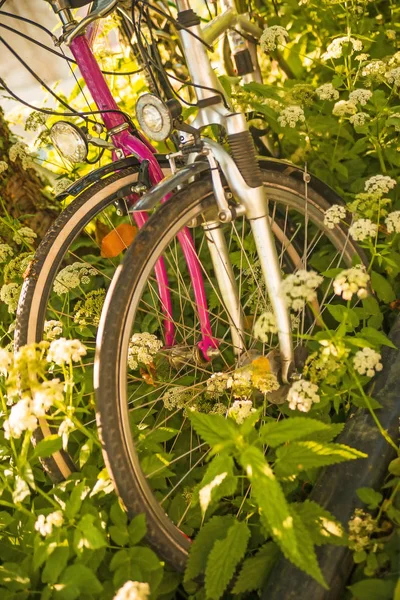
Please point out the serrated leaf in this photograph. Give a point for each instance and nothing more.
(87, 534)
(223, 559)
(343, 314)
(216, 431)
(255, 570)
(394, 466)
(75, 500)
(322, 526)
(275, 514)
(117, 515)
(217, 482)
(137, 529)
(376, 337)
(299, 456)
(76, 580)
(382, 287)
(55, 564)
(119, 534)
(369, 496)
(297, 428)
(213, 530)
(48, 446)
(161, 434)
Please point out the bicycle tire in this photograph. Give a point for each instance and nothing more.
(121, 304)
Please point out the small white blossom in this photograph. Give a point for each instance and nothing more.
(72, 276)
(393, 222)
(361, 57)
(142, 349)
(66, 427)
(359, 119)
(21, 151)
(21, 419)
(393, 76)
(9, 294)
(334, 215)
(335, 48)
(299, 288)
(363, 229)
(177, 397)
(367, 362)
(351, 281)
(264, 326)
(216, 385)
(360, 96)
(5, 361)
(327, 92)
(291, 115)
(361, 526)
(63, 351)
(302, 395)
(343, 108)
(240, 410)
(374, 70)
(6, 252)
(24, 235)
(240, 383)
(46, 395)
(133, 590)
(44, 525)
(272, 37)
(379, 184)
(3, 166)
(52, 329)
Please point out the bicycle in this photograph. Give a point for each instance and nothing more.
(145, 385)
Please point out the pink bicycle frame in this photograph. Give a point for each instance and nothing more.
(143, 150)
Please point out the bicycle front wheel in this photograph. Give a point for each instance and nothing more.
(145, 388)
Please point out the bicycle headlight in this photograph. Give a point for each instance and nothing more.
(154, 117)
(70, 141)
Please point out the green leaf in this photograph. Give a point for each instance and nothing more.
(320, 523)
(300, 456)
(394, 466)
(85, 452)
(376, 337)
(87, 534)
(298, 428)
(117, 515)
(48, 446)
(343, 314)
(56, 563)
(223, 559)
(75, 500)
(276, 516)
(373, 589)
(255, 570)
(211, 488)
(76, 580)
(382, 287)
(119, 534)
(161, 434)
(370, 497)
(213, 530)
(137, 529)
(215, 430)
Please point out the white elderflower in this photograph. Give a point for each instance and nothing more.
(359, 119)
(240, 410)
(379, 184)
(66, 427)
(21, 419)
(264, 326)
(72, 276)
(142, 349)
(44, 525)
(327, 92)
(360, 96)
(6, 252)
(362, 57)
(177, 397)
(61, 185)
(216, 385)
(88, 311)
(291, 115)
(374, 70)
(344, 108)
(9, 294)
(334, 215)
(52, 329)
(133, 590)
(393, 222)
(299, 288)
(5, 361)
(24, 235)
(218, 409)
(393, 76)
(63, 351)
(302, 395)
(361, 526)
(272, 37)
(21, 151)
(335, 48)
(46, 395)
(240, 384)
(3, 166)
(363, 229)
(367, 362)
(352, 281)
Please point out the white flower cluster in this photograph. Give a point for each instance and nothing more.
(363, 229)
(64, 351)
(335, 48)
(299, 288)
(9, 294)
(291, 115)
(302, 395)
(327, 92)
(360, 96)
(24, 235)
(177, 397)
(52, 329)
(88, 311)
(6, 252)
(393, 76)
(361, 57)
(393, 222)
(3, 166)
(72, 276)
(334, 215)
(374, 71)
(240, 410)
(343, 108)
(5, 361)
(216, 385)
(367, 362)
(133, 590)
(21, 419)
(44, 525)
(359, 119)
(351, 281)
(142, 349)
(240, 383)
(264, 326)
(46, 396)
(379, 184)
(272, 36)
(20, 150)
(361, 526)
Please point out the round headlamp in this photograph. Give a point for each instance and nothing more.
(70, 141)
(154, 117)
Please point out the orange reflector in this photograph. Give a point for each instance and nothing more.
(117, 240)
(261, 365)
